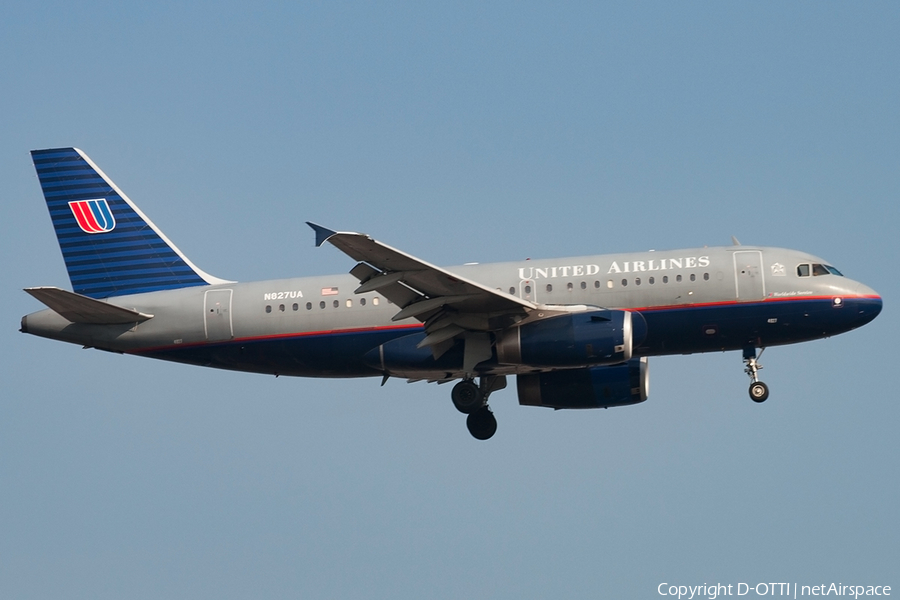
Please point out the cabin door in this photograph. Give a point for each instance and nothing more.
(748, 273)
(217, 315)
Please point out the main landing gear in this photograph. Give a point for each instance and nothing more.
(759, 391)
(470, 399)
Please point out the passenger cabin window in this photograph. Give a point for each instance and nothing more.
(803, 270)
(362, 301)
(569, 286)
(584, 285)
(549, 288)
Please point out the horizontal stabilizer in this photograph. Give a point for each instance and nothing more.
(81, 309)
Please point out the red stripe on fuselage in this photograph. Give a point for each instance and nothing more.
(745, 303)
(411, 326)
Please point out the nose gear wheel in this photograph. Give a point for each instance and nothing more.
(759, 391)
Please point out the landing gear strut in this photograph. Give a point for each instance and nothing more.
(759, 391)
(471, 399)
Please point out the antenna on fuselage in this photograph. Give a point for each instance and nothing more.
(734, 241)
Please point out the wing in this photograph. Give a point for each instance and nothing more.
(449, 305)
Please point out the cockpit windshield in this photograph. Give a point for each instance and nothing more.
(817, 269)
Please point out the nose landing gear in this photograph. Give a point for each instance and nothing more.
(759, 391)
(471, 399)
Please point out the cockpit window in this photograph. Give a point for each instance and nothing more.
(817, 269)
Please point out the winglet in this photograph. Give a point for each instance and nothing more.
(322, 233)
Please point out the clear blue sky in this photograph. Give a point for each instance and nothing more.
(458, 132)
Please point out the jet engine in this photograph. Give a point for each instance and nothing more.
(592, 387)
(597, 337)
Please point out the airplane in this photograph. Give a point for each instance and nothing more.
(575, 332)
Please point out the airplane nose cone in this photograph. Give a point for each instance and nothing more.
(867, 303)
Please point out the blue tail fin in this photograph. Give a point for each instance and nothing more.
(109, 246)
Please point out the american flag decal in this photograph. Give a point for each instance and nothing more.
(329, 291)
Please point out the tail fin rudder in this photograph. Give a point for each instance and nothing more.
(109, 246)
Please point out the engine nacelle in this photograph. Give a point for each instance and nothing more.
(597, 337)
(402, 355)
(593, 387)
